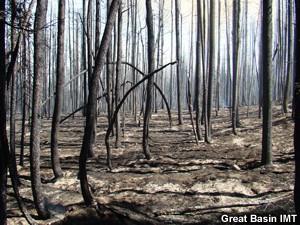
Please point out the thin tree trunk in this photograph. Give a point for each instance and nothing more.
(212, 67)
(178, 58)
(118, 75)
(91, 107)
(4, 142)
(290, 57)
(12, 153)
(236, 47)
(198, 72)
(39, 65)
(90, 66)
(151, 64)
(84, 57)
(266, 158)
(60, 79)
(297, 117)
(217, 105)
(24, 103)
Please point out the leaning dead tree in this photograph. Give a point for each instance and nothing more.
(111, 124)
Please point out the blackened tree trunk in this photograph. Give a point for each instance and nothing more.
(90, 65)
(290, 57)
(151, 64)
(39, 65)
(108, 74)
(198, 72)
(212, 69)
(297, 116)
(267, 40)
(12, 153)
(60, 79)
(24, 103)
(84, 58)
(236, 47)
(218, 62)
(178, 58)
(3, 135)
(118, 76)
(87, 143)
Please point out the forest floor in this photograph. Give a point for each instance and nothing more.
(183, 183)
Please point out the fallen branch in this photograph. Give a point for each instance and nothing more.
(220, 206)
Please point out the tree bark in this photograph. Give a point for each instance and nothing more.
(236, 47)
(267, 40)
(90, 66)
(290, 57)
(151, 64)
(60, 79)
(198, 72)
(119, 74)
(178, 58)
(212, 68)
(4, 142)
(297, 116)
(39, 65)
(91, 107)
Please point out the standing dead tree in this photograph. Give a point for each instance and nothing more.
(39, 65)
(151, 64)
(87, 143)
(60, 77)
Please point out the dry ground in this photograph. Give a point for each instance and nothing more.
(182, 184)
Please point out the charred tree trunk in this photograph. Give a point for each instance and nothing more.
(118, 75)
(236, 47)
(198, 72)
(90, 66)
(290, 57)
(297, 116)
(60, 79)
(92, 100)
(178, 58)
(267, 40)
(39, 65)
(212, 67)
(151, 64)
(4, 142)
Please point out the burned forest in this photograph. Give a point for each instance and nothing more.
(149, 112)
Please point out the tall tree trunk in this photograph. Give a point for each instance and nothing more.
(60, 80)
(119, 74)
(297, 116)
(290, 57)
(228, 94)
(171, 70)
(39, 65)
(91, 107)
(3, 135)
(178, 58)
(217, 105)
(12, 153)
(108, 74)
(84, 58)
(24, 110)
(151, 64)
(212, 67)
(267, 40)
(90, 66)
(236, 47)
